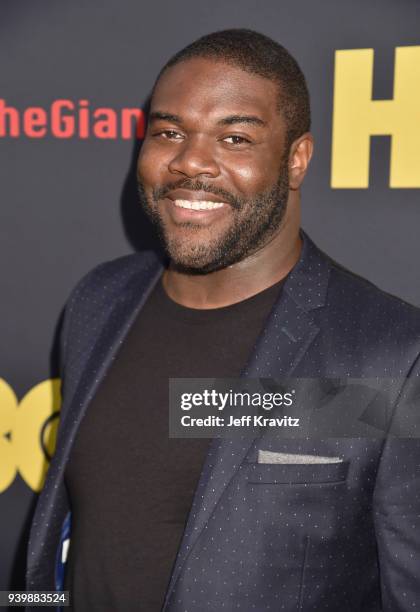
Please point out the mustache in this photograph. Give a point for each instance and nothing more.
(196, 185)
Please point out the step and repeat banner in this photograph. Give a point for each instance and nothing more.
(74, 83)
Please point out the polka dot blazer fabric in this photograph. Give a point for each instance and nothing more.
(266, 536)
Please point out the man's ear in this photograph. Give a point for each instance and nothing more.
(299, 158)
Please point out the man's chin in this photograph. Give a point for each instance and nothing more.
(194, 266)
(198, 258)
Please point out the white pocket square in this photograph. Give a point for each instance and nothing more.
(271, 457)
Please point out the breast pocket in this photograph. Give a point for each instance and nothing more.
(308, 474)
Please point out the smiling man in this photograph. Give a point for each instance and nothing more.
(130, 519)
(218, 174)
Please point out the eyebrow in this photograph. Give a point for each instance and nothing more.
(156, 115)
(229, 120)
(249, 119)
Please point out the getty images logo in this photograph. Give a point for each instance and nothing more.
(68, 119)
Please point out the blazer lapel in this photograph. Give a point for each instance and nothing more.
(287, 335)
(52, 505)
(119, 321)
(121, 317)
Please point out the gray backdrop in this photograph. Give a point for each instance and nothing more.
(68, 204)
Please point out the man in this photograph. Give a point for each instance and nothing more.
(270, 523)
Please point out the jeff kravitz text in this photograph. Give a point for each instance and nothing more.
(245, 420)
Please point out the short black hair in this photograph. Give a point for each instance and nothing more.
(258, 54)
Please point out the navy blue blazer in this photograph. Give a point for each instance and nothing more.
(341, 536)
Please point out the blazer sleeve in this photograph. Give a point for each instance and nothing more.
(396, 502)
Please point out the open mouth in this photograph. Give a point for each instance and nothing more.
(202, 212)
(198, 205)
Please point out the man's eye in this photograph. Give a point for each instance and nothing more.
(236, 140)
(169, 135)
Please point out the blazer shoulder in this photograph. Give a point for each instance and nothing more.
(110, 277)
(358, 292)
(351, 296)
(94, 296)
(366, 311)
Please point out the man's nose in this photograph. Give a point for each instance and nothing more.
(194, 157)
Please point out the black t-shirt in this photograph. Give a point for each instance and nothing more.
(130, 485)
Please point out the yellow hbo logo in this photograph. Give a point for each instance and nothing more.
(28, 432)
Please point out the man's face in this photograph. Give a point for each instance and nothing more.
(215, 140)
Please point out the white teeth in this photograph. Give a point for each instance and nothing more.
(201, 205)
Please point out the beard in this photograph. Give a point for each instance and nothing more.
(254, 222)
